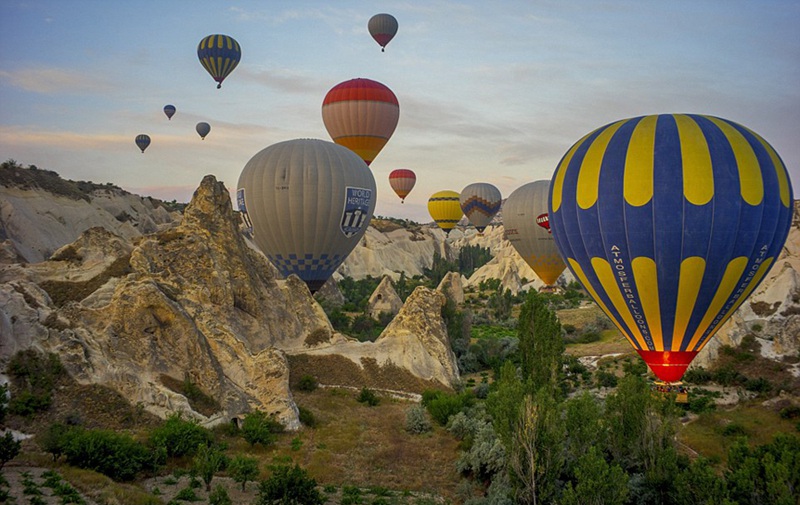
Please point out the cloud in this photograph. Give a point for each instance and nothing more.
(54, 81)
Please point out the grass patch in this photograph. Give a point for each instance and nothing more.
(710, 434)
(198, 399)
(62, 292)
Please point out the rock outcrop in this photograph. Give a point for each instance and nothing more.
(38, 222)
(384, 299)
(196, 303)
(452, 286)
(411, 354)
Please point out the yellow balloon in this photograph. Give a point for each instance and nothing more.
(445, 209)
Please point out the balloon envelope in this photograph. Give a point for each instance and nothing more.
(669, 222)
(203, 129)
(527, 228)
(402, 182)
(361, 115)
(169, 110)
(444, 208)
(142, 141)
(383, 28)
(308, 202)
(219, 55)
(480, 202)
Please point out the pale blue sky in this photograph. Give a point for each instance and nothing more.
(489, 91)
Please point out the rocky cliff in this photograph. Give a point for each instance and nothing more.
(193, 303)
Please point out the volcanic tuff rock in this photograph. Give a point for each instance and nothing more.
(415, 342)
(194, 303)
(384, 299)
(38, 222)
(453, 287)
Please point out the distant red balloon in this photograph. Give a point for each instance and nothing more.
(402, 182)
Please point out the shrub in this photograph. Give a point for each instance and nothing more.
(53, 440)
(446, 405)
(417, 420)
(759, 385)
(187, 494)
(790, 412)
(307, 417)
(208, 461)
(219, 496)
(180, 437)
(697, 375)
(9, 448)
(733, 430)
(259, 428)
(289, 485)
(605, 379)
(115, 455)
(27, 402)
(368, 396)
(307, 383)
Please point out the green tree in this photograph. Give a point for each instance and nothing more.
(180, 437)
(597, 482)
(503, 404)
(243, 469)
(9, 448)
(583, 423)
(541, 346)
(219, 496)
(699, 483)
(207, 461)
(116, 455)
(289, 486)
(259, 428)
(768, 473)
(53, 440)
(536, 455)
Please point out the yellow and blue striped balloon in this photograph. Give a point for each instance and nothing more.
(219, 55)
(670, 221)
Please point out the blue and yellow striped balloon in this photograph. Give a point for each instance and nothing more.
(219, 55)
(669, 222)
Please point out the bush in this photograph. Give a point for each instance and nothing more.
(605, 379)
(259, 428)
(115, 455)
(759, 385)
(289, 485)
(417, 421)
(368, 396)
(307, 417)
(697, 375)
(733, 430)
(243, 469)
(307, 383)
(187, 494)
(180, 437)
(446, 405)
(9, 448)
(790, 412)
(219, 496)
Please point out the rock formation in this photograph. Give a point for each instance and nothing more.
(195, 303)
(330, 294)
(384, 299)
(412, 354)
(37, 222)
(452, 286)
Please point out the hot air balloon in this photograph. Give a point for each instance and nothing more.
(527, 227)
(309, 203)
(383, 28)
(142, 141)
(169, 110)
(361, 115)
(219, 55)
(402, 182)
(670, 222)
(480, 202)
(445, 209)
(203, 129)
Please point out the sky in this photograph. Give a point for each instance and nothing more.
(489, 91)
